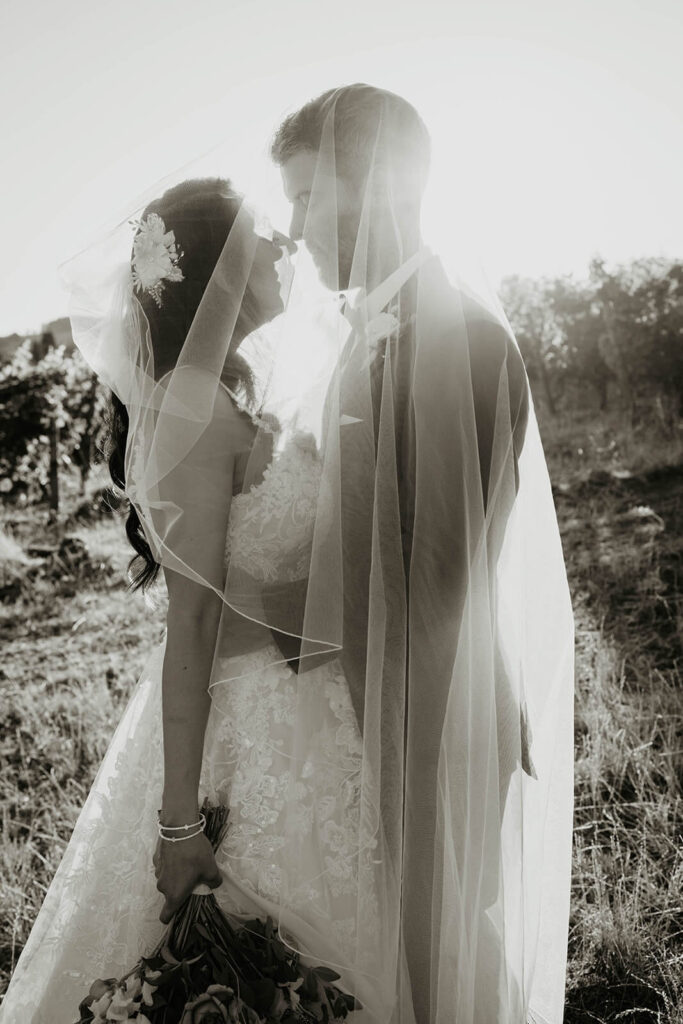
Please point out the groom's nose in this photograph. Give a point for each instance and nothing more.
(296, 226)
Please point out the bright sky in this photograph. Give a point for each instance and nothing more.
(562, 122)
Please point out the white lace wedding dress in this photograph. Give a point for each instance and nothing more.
(101, 909)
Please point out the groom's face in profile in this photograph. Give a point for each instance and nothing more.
(325, 214)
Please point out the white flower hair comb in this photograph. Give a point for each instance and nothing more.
(155, 257)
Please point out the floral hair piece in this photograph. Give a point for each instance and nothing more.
(155, 257)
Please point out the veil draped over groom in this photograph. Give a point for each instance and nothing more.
(434, 575)
(445, 585)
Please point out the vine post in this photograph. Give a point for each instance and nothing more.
(53, 485)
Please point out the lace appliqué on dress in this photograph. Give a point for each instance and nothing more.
(284, 752)
(271, 526)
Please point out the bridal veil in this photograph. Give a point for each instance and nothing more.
(432, 569)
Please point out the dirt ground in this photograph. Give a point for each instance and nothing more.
(74, 641)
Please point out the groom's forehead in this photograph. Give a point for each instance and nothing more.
(300, 171)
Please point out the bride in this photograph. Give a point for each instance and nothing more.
(368, 654)
(102, 909)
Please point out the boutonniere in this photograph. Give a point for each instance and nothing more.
(381, 326)
(376, 330)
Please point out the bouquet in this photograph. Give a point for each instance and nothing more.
(213, 968)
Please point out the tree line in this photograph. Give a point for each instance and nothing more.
(52, 421)
(611, 341)
(614, 339)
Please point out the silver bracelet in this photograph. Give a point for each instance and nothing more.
(198, 826)
(183, 828)
(180, 839)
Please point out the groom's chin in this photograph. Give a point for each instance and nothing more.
(326, 268)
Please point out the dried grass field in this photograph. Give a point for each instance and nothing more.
(73, 642)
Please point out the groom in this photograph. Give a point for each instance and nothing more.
(330, 229)
(349, 248)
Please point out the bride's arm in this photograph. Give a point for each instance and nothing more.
(201, 486)
(192, 628)
(190, 642)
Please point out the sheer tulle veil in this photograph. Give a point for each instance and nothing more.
(434, 571)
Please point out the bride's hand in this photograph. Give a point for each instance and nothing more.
(179, 867)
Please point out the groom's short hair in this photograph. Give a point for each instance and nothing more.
(361, 113)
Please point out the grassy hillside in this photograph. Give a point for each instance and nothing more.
(74, 642)
(619, 497)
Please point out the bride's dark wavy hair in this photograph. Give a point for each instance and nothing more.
(201, 213)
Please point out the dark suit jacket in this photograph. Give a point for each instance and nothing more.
(468, 338)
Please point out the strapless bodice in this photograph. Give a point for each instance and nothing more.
(270, 530)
